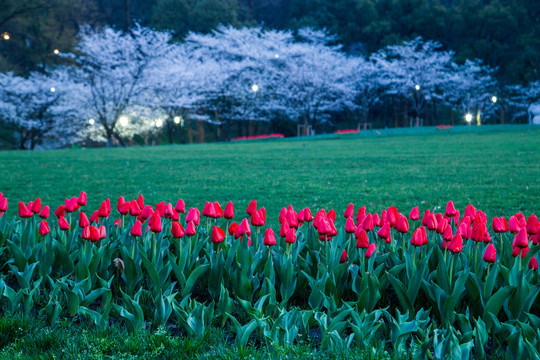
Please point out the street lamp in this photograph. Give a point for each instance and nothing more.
(123, 120)
(159, 123)
(6, 36)
(254, 87)
(468, 118)
(91, 121)
(177, 119)
(53, 89)
(494, 99)
(417, 87)
(56, 51)
(277, 56)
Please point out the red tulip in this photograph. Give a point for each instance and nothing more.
(124, 208)
(118, 222)
(168, 213)
(269, 237)
(177, 230)
(282, 214)
(427, 214)
(418, 237)
(402, 224)
(290, 237)
(44, 228)
(487, 237)
(377, 220)
(331, 215)
(136, 230)
(450, 209)
(86, 233)
(257, 218)
(500, 225)
(292, 217)
(63, 223)
(3, 204)
(103, 211)
(209, 210)
(432, 222)
(180, 206)
(193, 215)
(229, 211)
(414, 214)
(134, 209)
(218, 210)
(81, 200)
(146, 213)
(349, 212)
(533, 264)
(384, 232)
(155, 223)
(456, 245)
(140, 201)
(23, 211)
(333, 231)
(533, 225)
(301, 217)
(368, 223)
(233, 228)
(521, 240)
(371, 249)
(441, 226)
(251, 207)
(218, 235)
(45, 212)
(490, 255)
(361, 213)
(36, 206)
(71, 205)
(244, 228)
(190, 229)
(308, 217)
(447, 236)
(83, 220)
(362, 241)
(513, 225)
(535, 239)
(350, 228)
(121, 201)
(95, 234)
(392, 216)
(470, 211)
(343, 257)
(102, 232)
(478, 232)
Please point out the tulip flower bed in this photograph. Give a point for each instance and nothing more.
(420, 283)
(258, 137)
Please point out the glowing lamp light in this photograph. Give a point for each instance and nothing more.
(417, 87)
(177, 119)
(56, 51)
(277, 56)
(53, 89)
(254, 87)
(159, 123)
(468, 118)
(91, 121)
(123, 120)
(6, 36)
(494, 99)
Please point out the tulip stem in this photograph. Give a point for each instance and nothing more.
(155, 248)
(403, 241)
(502, 245)
(133, 250)
(519, 265)
(451, 269)
(326, 251)
(475, 256)
(413, 256)
(256, 237)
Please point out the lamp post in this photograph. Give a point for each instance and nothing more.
(468, 118)
(6, 36)
(123, 120)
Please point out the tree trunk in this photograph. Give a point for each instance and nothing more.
(200, 130)
(189, 131)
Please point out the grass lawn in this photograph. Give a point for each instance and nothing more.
(497, 171)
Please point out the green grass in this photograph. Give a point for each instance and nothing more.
(495, 171)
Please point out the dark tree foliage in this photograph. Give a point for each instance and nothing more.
(503, 33)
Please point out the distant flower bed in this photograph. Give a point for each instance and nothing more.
(347, 131)
(444, 127)
(258, 137)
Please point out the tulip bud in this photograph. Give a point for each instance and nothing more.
(23, 211)
(533, 225)
(3, 204)
(343, 257)
(384, 232)
(140, 201)
(308, 217)
(513, 225)
(269, 237)
(180, 206)
(414, 214)
(392, 216)
(36, 206)
(134, 209)
(349, 212)
(95, 234)
(362, 241)
(45, 212)
(193, 215)
(533, 264)
(521, 240)
(81, 200)
(218, 210)
(350, 228)
(83, 220)
(456, 245)
(155, 223)
(233, 228)
(209, 210)
(402, 225)
(177, 230)
(450, 209)
(63, 223)
(168, 213)
(290, 237)
(218, 235)
(490, 255)
(190, 229)
(371, 249)
(229, 211)
(251, 207)
(102, 232)
(136, 230)
(44, 228)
